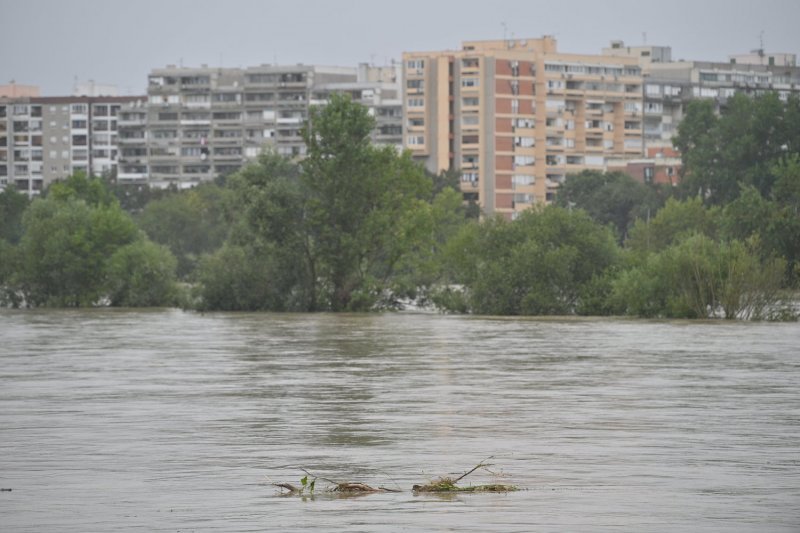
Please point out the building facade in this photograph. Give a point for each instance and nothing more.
(669, 87)
(515, 117)
(200, 123)
(43, 139)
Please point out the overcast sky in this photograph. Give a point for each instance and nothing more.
(51, 43)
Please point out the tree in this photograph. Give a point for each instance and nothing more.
(356, 195)
(700, 278)
(64, 249)
(737, 149)
(141, 274)
(79, 248)
(609, 198)
(12, 206)
(190, 223)
(540, 264)
(92, 190)
(336, 232)
(674, 221)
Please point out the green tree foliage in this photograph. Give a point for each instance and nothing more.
(12, 206)
(247, 278)
(65, 248)
(540, 264)
(76, 249)
(674, 221)
(91, 190)
(190, 223)
(141, 274)
(776, 227)
(434, 224)
(333, 233)
(698, 277)
(738, 148)
(359, 203)
(610, 198)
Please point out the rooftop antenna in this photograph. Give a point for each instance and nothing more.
(644, 38)
(505, 30)
(761, 46)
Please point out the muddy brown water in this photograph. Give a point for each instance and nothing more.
(160, 420)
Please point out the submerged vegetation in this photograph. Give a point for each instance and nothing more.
(356, 227)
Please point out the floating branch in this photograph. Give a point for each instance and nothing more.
(446, 484)
(441, 485)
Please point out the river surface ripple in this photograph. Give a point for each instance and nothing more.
(119, 420)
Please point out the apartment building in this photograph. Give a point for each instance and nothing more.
(517, 116)
(669, 87)
(43, 139)
(200, 123)
(380, 91)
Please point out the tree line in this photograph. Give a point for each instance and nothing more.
(357, 227)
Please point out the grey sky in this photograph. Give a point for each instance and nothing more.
(51, 42)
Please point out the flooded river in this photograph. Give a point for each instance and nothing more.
(117, 420)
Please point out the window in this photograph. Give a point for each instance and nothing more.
(79, 109)
(469, 161)
(524, 160)
(471, 101)
(259, 97)
(469, 82)
(470, 120)
(523, 180)
(416, 102)
(190, 151)
(225, 97)
(415, 140)
(524, 142)
(415, 64)
(195, 80)
(414, 84)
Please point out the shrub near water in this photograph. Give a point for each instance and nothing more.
(539, 264)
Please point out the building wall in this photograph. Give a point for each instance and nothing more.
(48, 138)
(516, 116)
(200, 123)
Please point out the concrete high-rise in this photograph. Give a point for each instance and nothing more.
(43, 139)
(516, 116)
(200, 123)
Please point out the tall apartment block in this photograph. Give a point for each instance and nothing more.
(200, 123)
(516, 116)
(43, 139)
(669, 86)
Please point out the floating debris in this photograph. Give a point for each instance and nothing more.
(442, 485)
(449, 485)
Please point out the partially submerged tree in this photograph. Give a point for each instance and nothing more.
(539, 264)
